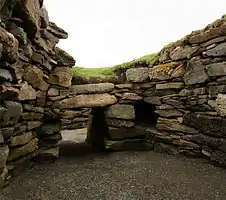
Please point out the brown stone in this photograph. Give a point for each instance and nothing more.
(33, 124)
(61, 76)
(173, 125)
(10, 46)
(34, 76)
(24, 150)
(21, 139)
(131, 96)
(4, 152)
(26, 92)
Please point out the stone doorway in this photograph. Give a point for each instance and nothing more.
(145, 114)
(98, 129)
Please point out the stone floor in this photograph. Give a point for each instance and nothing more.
(81, 174)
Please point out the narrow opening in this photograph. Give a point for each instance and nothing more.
(98, 129)
(145, 114)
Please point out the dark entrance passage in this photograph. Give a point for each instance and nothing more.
(145, 114)
(98, 129)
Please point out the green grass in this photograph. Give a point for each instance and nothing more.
(110, 71)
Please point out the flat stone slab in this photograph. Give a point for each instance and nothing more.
(88, 89)
(87, 101)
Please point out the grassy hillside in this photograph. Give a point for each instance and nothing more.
(110, 71)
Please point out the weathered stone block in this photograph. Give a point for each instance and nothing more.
(49, 129)
(32, 116)
(220, 105)
(87, 101)
(195, 72)
(170, 85)
(21, 140)
(216, 69)
(153, 100)
(184, 52)
(173, 125)
(88, 89)
(169, 113)
(26, 92)
(61, 76)
(120, 111)
(120, 123)
(208, 125)
(131, 96)
(10, 114)
(34, 76)
(137, 75)
(219, 50)
(24, 150)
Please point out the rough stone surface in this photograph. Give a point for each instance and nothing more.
(4, 152)
(195, 73)
(120, 123)
(220, 105)
(87, 101)
(26, 93)
(137, 75)
(34, 76)
(219, 50)
(180, 53)
(208, 125)
(88, 89)
(61, 76)
(120, 111)
(173, 125)
(21, 139)
(24, 150)
(216, 69)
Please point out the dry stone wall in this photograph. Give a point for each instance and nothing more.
(177, 106)
(32, 70)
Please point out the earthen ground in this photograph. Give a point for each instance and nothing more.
(81, 174)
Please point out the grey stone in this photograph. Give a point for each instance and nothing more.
(215, 40)
(137, 75)
(49, 129)
(63, 58)
(49, 154)
(216, 69)
(32, 116)
(88, 89)
(131, 96)
(10, 114)
(170, 85)
(215, 90)
(219, 50)
(44, 17)
(208, 125)
(120, 111)
(153, 100)
(195, 72)
(120, 123)
(5, 76)
(169, 113)
(205, 140)
(164, 107)
(184, 52)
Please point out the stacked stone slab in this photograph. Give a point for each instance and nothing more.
(32, 70)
